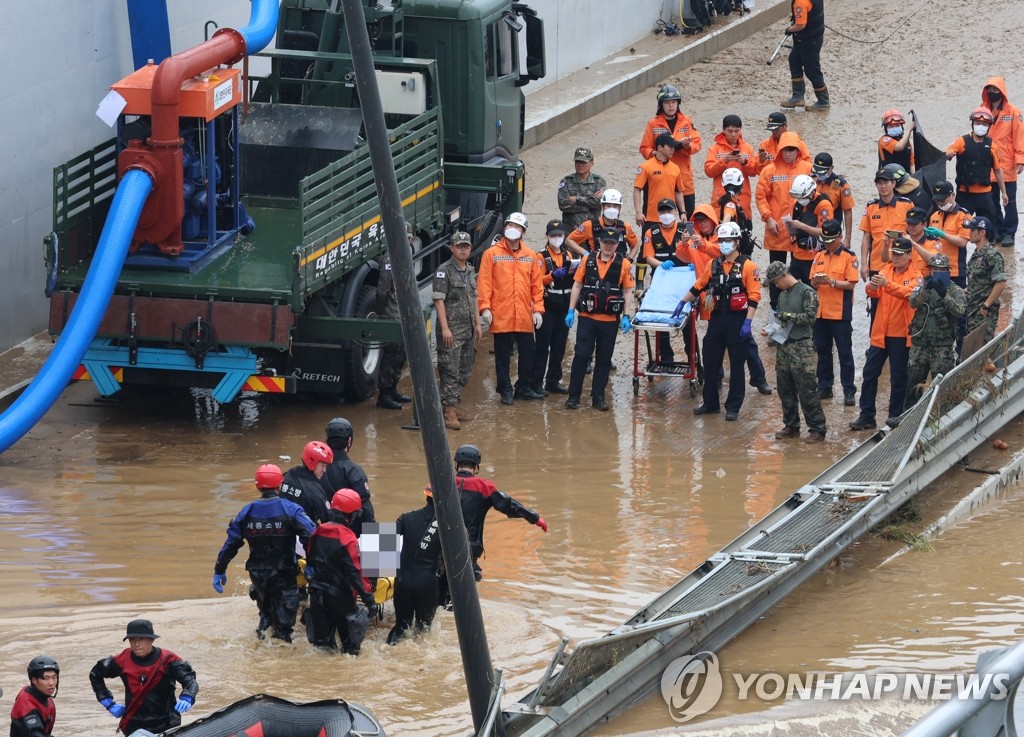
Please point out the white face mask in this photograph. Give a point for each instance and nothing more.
(804, 201)
(980, 129)
(513, 233)
(726, 247)
(895, 131)
(948, 207)
(611, 213)
(667, 218)
(556, 240)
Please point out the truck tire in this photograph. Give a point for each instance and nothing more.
(363, 360)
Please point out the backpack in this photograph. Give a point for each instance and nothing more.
(697, 14)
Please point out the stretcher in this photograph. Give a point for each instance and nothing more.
(655, 316)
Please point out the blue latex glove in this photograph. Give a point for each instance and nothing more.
(667, 265)
(570, 318)
(113, 707)
(219, 580)
(625, 324)
(683, 308)
(184, 703)
(933, 232)
(746, 329)
(560, 272)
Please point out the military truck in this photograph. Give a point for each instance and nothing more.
(254, 268)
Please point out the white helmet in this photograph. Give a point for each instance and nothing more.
(611, 197)
(729, 231)
(732, 177)
(518, 218)
(803, 187)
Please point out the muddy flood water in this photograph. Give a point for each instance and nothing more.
(113, 511)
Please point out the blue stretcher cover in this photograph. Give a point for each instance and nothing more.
(662, 297)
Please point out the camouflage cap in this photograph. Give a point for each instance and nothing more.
(583, 154)
(462, 238)
(939, 261)
(776, 270)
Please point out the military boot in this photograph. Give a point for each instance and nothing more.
(386, 400)
(797, 99)
(463, 416)
(451, 421)
(822, 103)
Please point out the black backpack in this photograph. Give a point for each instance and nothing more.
(697, 14)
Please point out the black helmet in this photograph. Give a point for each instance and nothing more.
(468, 454)
(40, 664)
(339, 427)
(669, 92)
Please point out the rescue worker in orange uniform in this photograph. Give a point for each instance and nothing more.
(887, 212)
(894, 145)
(581, 239)
(925, 246)
(810, 210)
(669, 243)
(948, 223)
(835, 274)
(670, 121)
(768, 149)
(890, 333)
(734, 286)
(730, 151)
(1006, 132)
(838, 191)
(807, 29)
(510, 297)
(658, 179)
(774, 201)
(559, 267)
(603, 293)
(978, 166)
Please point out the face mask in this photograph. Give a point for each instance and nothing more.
(821, 177)
(667, 218)
(995, 96)
(556, 240)
(611, 213)
(726, 247)
(941, 277)
(980, 129)
(513, 234)
(804, 201)
(895, 131)
(948, 207)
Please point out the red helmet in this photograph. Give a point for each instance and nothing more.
(268, 476)
(346, 501)
(892, 116)
(983, 114)
(316, 452)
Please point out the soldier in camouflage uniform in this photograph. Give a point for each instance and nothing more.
(393, 360)
(458, 327)
(579, 194)
(794, 361)
(939, 304)
(986, 278)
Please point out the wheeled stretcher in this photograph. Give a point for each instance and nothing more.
(655, 316)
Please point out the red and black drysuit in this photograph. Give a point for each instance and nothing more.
(148, 688)
(33, 713)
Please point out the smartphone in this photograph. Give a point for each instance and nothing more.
(688, 225)
(735, 152)
(894, 234)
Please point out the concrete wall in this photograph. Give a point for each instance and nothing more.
(578, 32)
(59, 60)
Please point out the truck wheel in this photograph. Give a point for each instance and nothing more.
(363, 361)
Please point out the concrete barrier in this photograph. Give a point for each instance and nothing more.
(10, 395)
(559, 116)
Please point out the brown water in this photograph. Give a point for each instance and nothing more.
(113, 511)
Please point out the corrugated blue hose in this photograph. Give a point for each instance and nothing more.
(85, 319)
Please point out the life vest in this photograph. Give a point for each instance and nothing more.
(747, 240)
(663, 249)
(806, 214)
(895, 157)
(728, 290)
(619, 225)
(556, 294)
(975, 164)
(602, 296)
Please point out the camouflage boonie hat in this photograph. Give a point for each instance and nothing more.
(938, 261)
(776, 269)
(462, 238)
(583, 154)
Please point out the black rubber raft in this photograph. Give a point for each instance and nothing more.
(269, 716)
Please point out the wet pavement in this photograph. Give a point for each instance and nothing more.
(117, 510)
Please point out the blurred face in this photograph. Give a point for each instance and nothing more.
(460, 252)
(915, 229)
(885, 188)
(141, 646)
(703, 224)
(977, 235)
(732, 134)
(46, 683)
(583, 168)
(608, 248)
(318, 470)
(789, 154)
(777, 133)
(900, 260)
(670, 107)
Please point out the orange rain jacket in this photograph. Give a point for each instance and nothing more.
(894, 313)
(1007, 132)
(510, 285)
(773, 200)
(681, 158)
(714, 166)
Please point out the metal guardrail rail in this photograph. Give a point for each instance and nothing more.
(735, 587)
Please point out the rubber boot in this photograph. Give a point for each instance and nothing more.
(822, 103)
(463, 416)
(450, 420)
(385, 400)
(797, 99)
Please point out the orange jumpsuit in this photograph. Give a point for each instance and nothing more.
(510, 285)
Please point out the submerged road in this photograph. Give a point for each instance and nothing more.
(113, 511)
